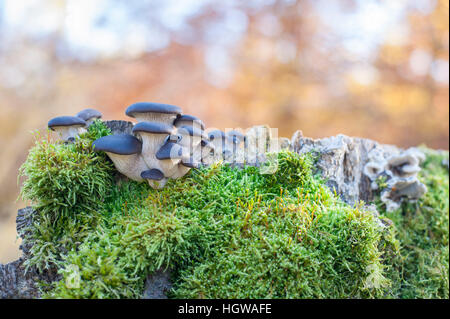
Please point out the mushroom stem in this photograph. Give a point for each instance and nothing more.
(181, 170)
(155, 178)
(129, 165)
(68, 132)
(155, 117)
(150, 144)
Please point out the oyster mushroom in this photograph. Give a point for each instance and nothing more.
(233, 143)
(208, 152)
(373, 169)
(124, 150)
(224, 147)
(155, 178)
(403, 165)
(153, 112)
(154, 136)
(89, 115)
(217, 139)
(188, 120)
(190, 140)
(414, 151)
(170, 154)
(402, 188)
(68, 127)
(183, 168)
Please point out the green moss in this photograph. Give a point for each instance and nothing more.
(421, 268)
(236, 233)
(67, 184)
(381, 182)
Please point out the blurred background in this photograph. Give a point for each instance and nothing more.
(369, 68)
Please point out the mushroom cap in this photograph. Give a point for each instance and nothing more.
(192, 131)
(153, 127)
(123, 144)
(147, 107)
(190, 164)
(88, 114)
(216, 134)
(66, 121)
(170, 150)
(154, 174)
(188, 118)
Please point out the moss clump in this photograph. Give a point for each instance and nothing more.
(236, 233)
(421, 269)
(222, 230)
(67, 184)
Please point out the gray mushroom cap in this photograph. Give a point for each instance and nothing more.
(186, 119)
(170, 150)
(190, 164)
(123, 144)
(147, 107)
(125, 152)
(155, 178)
(216, 134)
(153, 174)
(66, 121)
(153, 128)
(192, 131)
(89, 114)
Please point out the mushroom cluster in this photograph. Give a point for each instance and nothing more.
(69, 127)
(236, 148)
(165, 144)
(400, 173)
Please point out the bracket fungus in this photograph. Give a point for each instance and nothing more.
(153, 112)
(400, 172)
(373, 170)
(401, 188)
(68, 127)
(124, 150)
(403, 165)
(89, 115)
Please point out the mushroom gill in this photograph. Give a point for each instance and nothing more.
(124, 150)
(68, 127)
(153, 112)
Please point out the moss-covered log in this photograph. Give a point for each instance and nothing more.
(226, 232)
